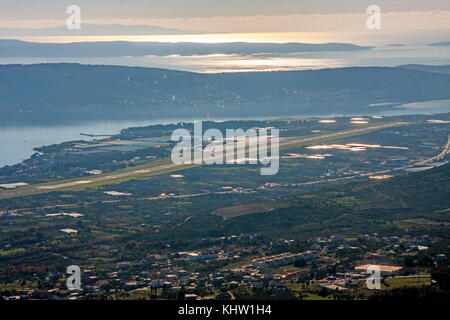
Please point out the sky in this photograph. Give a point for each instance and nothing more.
(407, 20)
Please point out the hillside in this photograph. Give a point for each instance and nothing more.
(445, 69)
(358, 208)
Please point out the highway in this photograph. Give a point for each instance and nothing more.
(440, 156)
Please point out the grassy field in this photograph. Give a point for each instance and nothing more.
(398, 282)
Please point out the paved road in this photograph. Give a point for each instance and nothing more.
(440, 156)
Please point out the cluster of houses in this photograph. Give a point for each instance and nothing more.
(390, 244)
(395, 244)
(283, 259)
(158, 272)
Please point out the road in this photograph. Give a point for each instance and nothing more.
(440, 156)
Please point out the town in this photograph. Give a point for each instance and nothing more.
(331, 268)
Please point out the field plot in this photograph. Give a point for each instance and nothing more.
(240, 210)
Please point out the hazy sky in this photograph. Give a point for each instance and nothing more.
(345, 16)
(53, 9)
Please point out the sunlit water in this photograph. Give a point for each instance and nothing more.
(388, 56)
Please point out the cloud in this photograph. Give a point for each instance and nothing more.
(414, 20)
(393, 21)
(402, 27)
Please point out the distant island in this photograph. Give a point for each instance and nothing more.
(441, 44)
(16, 48)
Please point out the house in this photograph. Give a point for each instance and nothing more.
(130, 285)
(337, 238)
(182, 273)
(257, 285)
(384, 269)
(268, 276)
(421, 240)
(333, 287)
(165, 271)
(202, 256)
(440, 258)
(275, 283)
(190, 296)
(152, 258)
(123, 265)
(155, 284)
(103, 284)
